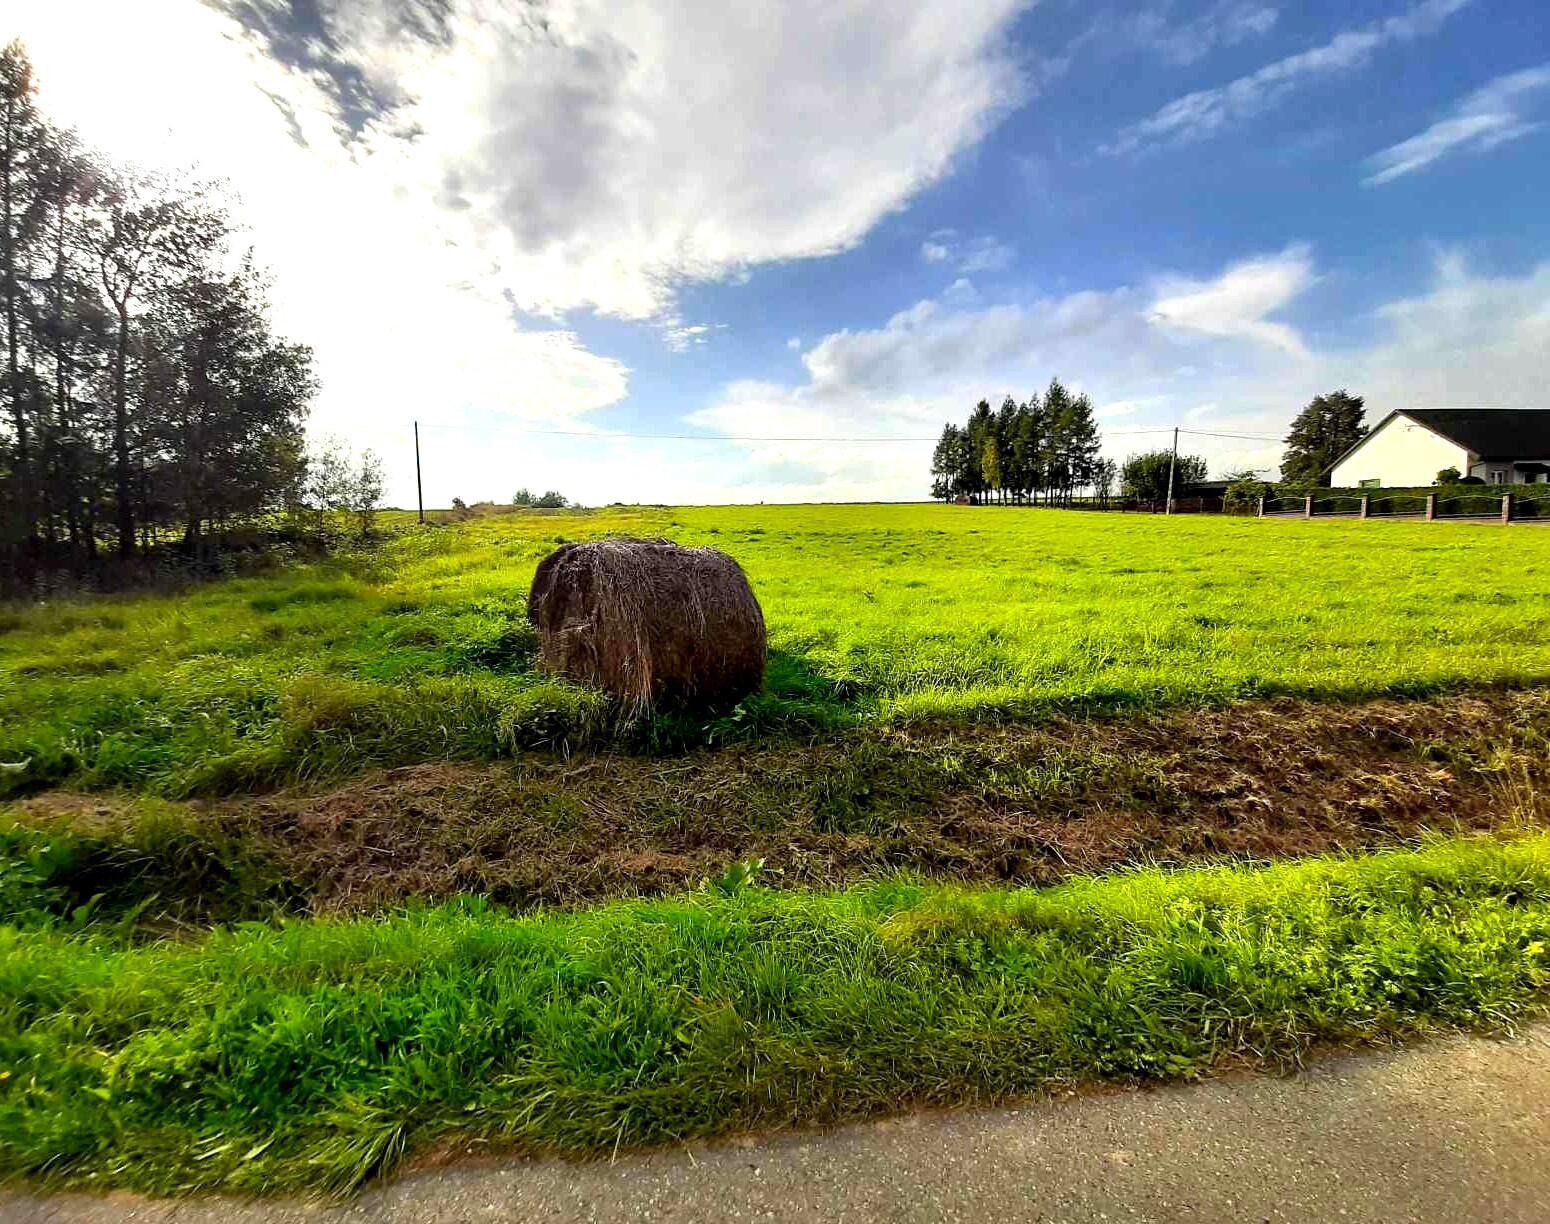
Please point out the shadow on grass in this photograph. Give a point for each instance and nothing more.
(796, 700)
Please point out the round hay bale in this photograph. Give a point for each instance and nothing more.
(649, 621)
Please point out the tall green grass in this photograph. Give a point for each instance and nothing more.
(422, 651)
(317, 1054)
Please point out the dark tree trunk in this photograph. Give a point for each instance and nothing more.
(122, 491)
(8, 286)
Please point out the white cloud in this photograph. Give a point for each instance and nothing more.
(1204, 113)
(929, 363)
(794, 344)
(680, 337)
(605, 153)
(1466, 339)
(986, 255)
(1487, 118)
(1124, 408)
(1470, 339)
(1238, 302)
(1151, 28)
(981, 254)
(960, 292)
(1226, 25)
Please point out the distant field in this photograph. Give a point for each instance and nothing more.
(421, 651)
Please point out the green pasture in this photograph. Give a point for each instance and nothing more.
(420, 649)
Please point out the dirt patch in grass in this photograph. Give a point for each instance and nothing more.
(1025, 804)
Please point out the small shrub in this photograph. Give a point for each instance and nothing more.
(1243, 496)
(734, 878)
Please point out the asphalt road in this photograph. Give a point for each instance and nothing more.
(1454, 1130)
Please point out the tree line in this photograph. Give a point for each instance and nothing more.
(147, 402)
(1048, 448)
(1043, 449)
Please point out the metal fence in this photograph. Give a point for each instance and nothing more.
(1429, 507)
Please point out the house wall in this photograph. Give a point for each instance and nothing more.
(1499, 471)
(1401, 454)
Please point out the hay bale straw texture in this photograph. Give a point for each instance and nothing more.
(653, 623)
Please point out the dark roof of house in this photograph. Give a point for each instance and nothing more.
(1491, 433)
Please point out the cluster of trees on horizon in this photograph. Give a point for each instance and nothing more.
(548, 500)
(144, 397)
(1043, 449)
(1046, 449)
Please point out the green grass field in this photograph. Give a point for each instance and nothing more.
(235, 956)
(877, 614)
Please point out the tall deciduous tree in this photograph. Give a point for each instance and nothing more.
(1145, 476)
(146, 240)
(366, 490)
(21, 140)
(1323, 431)
(224, 399)
(140, 382)
(1105, 473)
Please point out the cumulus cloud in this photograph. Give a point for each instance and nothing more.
(604, 153)
(1238, 302)
(1201, 353)
(1205, 112)
(935, 252)
(929, 362)
(1491, 116)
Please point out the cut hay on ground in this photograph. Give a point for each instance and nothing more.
(653, 623)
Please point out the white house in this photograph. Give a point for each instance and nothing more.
(1409, 447)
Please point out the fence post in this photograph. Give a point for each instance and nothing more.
(1506, 507)
(1431, 506)
(1261, 513)
(1366, 505)
(1307, 506)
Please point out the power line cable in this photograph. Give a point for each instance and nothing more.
(668, 437)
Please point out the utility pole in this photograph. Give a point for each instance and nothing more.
(1172, 460)
(419, 493)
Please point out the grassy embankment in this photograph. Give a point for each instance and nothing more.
(317, 1054)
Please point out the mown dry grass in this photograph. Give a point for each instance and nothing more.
(1253, 781)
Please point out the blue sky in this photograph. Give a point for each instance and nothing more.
(851, 219)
